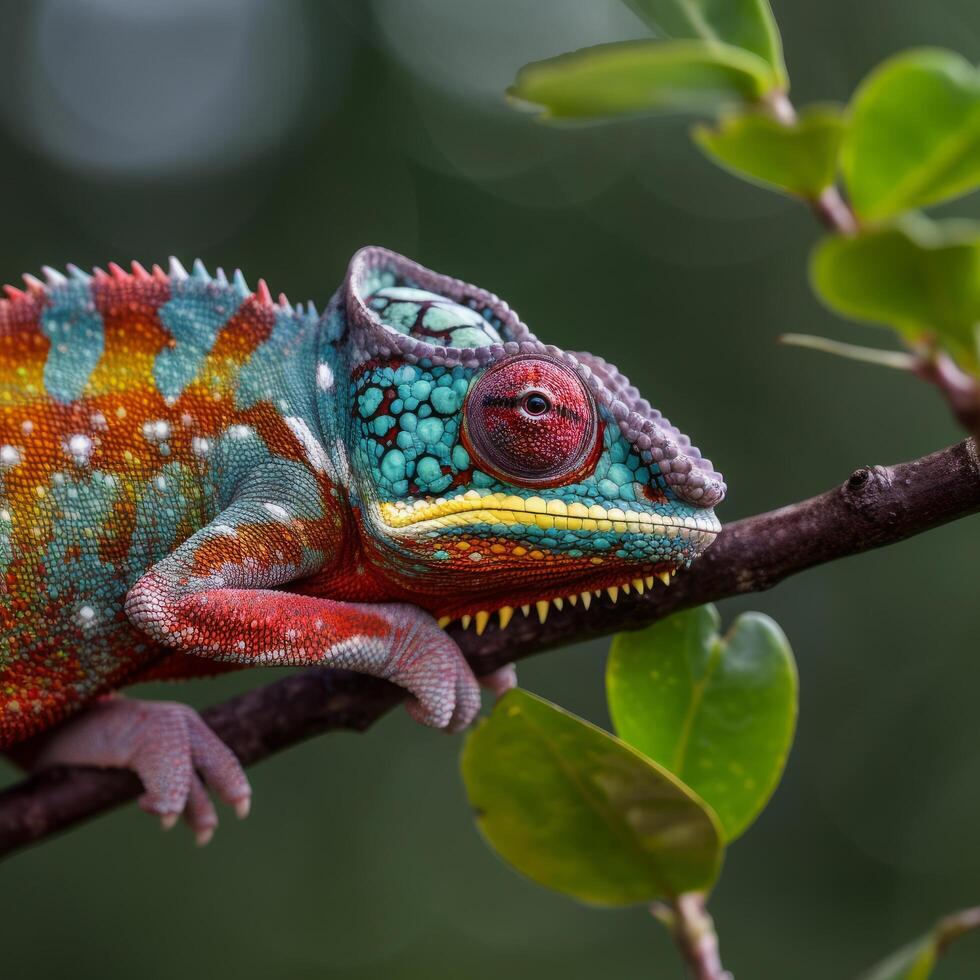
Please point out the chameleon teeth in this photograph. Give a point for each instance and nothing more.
(78, 274)
(238, 280)
(201, 271)
(542, 607)
(177, 271)
(32, 282)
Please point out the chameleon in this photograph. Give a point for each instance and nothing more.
(196, 477)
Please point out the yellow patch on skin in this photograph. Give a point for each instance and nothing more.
(500, 508)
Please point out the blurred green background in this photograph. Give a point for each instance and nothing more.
(280, 137)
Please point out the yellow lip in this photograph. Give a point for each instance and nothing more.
(498, 508)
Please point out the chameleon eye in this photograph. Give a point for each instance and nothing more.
(531, 421)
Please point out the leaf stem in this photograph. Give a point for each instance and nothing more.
(833, 212)
(693, 931)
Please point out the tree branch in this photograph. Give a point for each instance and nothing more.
(876, 506)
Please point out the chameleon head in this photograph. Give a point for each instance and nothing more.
(494, 472)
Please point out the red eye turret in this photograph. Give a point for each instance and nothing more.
(531, 421)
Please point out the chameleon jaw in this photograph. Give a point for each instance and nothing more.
(498, 508)
(542, 607)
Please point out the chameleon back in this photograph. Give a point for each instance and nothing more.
(127, 403)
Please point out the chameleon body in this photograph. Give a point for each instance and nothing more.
(195, 477)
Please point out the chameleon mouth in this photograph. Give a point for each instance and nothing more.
(480, 619)
(498, 508)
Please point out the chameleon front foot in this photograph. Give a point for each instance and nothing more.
(424, 660)
(168, 745)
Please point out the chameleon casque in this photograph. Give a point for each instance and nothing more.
(194, 477)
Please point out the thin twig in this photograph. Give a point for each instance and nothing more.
(876, 506)
(900, 360)
(695, 937)
(951, 927)
(961, 390)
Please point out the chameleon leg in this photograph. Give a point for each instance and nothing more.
(216, 596)
(396, 642)
(167, 745)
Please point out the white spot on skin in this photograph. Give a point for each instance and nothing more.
(79, 447)
(27, 427)
(324, 377)
(156, 430)
(316, 455)
(160, 483)
(240, 431)
(200, 447)
(85, 616)
(279, 513)
(9, 455)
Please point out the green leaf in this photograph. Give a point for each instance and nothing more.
(578, 811)
(800, 159)
(913, 962)
(747, 24)
(917, 960)
(631, 77)
(718, 712)
(914, 134)
(922, 278)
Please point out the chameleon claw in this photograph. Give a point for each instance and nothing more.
(169, 820)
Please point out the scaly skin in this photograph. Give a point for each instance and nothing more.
(195, 478)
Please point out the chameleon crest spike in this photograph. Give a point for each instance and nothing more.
(193, 474)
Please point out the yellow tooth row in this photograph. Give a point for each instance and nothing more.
(543, 606)
(500, 508)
